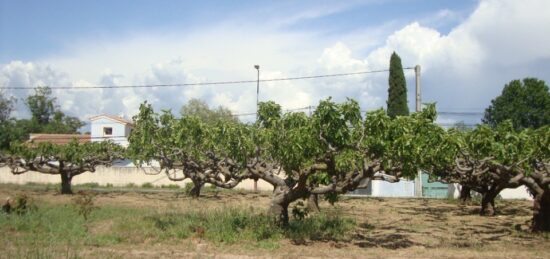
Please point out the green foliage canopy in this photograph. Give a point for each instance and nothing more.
(46, 118)
(73, 158)
(526, 103)
(190, 147)
(200, 109)
(67, 160)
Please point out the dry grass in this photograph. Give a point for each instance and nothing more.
(389, 228)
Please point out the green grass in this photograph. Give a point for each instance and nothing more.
(170, 186)
(131, 185)
(147, 185)
(52, 231)
(87, 185)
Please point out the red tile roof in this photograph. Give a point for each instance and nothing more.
(58, 139)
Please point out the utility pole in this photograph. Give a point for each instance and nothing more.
(257, 67)
(418, 96)
(418, 180)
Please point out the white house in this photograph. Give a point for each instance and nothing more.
(110, 127)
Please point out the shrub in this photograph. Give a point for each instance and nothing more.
(21, 204)
(85, 204)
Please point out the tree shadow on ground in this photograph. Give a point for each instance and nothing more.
(430, 213)
(514, 210)
(388, 241)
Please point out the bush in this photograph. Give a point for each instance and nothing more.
(21, 204)
(85, 204)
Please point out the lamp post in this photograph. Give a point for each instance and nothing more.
(257, 67)
(418, 180)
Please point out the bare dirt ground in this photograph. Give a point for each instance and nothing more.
(386, 227)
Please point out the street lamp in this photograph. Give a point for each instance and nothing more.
(257, 67)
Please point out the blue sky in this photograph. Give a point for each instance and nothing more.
(464, 47)
(33, 29)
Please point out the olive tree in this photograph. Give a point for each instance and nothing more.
(189, 148)
(489, 160)
(336, 150)
(485, 160)
(332, 152)
(67, 160)
(537, 178)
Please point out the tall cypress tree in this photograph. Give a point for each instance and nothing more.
(397, 91)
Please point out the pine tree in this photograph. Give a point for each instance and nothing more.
(397, 91)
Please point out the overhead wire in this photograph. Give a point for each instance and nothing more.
(200, 83)
(239, 82)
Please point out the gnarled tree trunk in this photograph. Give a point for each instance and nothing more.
(66, 183)
(541, 212)
(313, 203)
(195, 192)
(279, 205)
(465, 196)
(488, 203)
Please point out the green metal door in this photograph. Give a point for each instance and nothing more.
(433, 189)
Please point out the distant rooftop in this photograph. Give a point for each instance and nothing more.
(58, 139)
(112, 117)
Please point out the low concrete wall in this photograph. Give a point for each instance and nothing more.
(403, 188)
(517, 193)
(117, 176)
(122, 176)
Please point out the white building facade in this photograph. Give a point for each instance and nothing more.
(109, 127)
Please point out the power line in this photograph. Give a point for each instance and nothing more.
(363, 111)
(201, 84)
(460, 113)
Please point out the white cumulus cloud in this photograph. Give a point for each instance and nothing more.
(463, 69)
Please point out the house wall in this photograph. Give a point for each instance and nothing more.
(117, 176)
(119, 131)
(403, 188)
(127, 130)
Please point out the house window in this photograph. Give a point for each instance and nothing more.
(107, 131)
